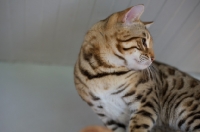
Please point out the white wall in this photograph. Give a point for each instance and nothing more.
(37, 98)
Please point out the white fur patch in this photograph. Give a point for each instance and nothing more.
(116, 109)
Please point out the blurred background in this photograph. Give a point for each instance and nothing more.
(39, 44)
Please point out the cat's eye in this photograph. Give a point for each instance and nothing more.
(130, 48)
(127, 48)
(144, 42)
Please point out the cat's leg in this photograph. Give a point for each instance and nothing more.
(143, 110)
(142, 121)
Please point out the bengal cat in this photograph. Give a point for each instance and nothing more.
(115, 75)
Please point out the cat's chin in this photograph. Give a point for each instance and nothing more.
(136, 66)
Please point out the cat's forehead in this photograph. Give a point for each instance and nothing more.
(136, 29)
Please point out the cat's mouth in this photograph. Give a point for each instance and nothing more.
(143, 62)
(138, 61)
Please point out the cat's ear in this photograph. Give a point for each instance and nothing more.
(131, 14)
(147, 24)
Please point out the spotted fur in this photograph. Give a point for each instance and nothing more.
(115, 76)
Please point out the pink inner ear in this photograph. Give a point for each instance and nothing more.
(134, 13)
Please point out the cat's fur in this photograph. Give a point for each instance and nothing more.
(115, 75)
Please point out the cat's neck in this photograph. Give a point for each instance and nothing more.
(91, 70)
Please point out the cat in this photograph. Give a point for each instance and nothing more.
(117, 76)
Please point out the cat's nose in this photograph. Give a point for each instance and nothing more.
(152, 58)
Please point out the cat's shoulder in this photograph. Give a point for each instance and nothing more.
(170, 71)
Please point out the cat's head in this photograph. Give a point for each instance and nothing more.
(124, 40)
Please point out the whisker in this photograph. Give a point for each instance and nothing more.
(154, 71)
(151, 73)
(148, 71)
(154, 68)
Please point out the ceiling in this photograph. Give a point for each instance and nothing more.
(51, 31)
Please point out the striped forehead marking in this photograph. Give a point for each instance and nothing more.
(146, 35)
(148, 40)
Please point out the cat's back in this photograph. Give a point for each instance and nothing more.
(168, 72)
(179, 94)
(174, 81)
